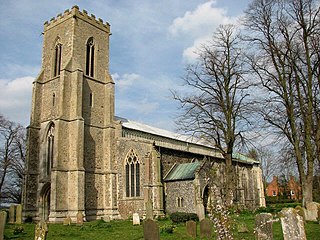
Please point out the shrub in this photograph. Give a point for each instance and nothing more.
(167, 228)
(178, 217)
(18, 230)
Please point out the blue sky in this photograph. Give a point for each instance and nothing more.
(151, 43)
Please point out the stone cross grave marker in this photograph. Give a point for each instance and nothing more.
(19, 214)
(12, 210)
(292, 225)
(263, 222)
(206, 228)
(41, 231)
(3, 220)
(150, 230)
(149, 210)
(135, 219)
(191, 228)
(79, 218)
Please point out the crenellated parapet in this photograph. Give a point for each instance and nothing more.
(76, 13)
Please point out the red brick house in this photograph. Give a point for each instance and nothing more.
(292, 189)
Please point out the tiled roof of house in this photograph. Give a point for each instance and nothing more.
(183, 171)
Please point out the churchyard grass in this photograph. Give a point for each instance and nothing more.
(97, 230)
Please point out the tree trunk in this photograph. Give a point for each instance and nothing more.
(307, 187)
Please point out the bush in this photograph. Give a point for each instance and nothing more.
(18, 230)
(178, 217)
(167, 228)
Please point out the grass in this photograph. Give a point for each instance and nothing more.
(97, 230)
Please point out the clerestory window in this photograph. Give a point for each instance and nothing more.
(57, 59)
(132, 173)
(50, 148)
(90, 58)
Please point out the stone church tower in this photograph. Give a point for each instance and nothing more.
(70, 154)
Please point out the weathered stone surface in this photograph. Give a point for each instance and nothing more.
(149, 210)
(150, 230)
(3, 219)
(12, 213)
(200, 212)
(19, 214)
(302, 212)
(263, 223)
(41, 231)
(206, 228)
(79, 218)
(312, 211)
(135, 219)
(67, 221)
(191, 228)
(292, 225)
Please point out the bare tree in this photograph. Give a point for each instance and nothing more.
(285, 39)
(215, 108)
(12, 158)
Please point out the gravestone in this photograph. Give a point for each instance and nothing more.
(200, 211)
(3, 219)
(302, 212)
(19, 214)
(12, 210)
(312, 211)
(191, 228)
(41, 231)
(150, 230)
(135, 219)
(149, 210)
(292, 225)
(206, 228)
(79, 218)
(263, 223)
(67, 221)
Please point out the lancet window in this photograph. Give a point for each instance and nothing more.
(50, 148)
(90, 58)
(132, 174)
(57, 59)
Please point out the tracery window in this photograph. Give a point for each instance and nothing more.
(57, 59)
(50, 146)
(132, 172)
(90, 57)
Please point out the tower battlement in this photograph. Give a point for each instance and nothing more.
(76, 13)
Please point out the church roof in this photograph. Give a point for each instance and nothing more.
(238, 157)
(183, 171)
(161, 132)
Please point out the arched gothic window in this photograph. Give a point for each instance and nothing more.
(57, 59)
(90, 57)
(132, 175)
(50, 145)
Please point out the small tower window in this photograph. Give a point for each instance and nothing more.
(90, 100)
(53, 99)
(50, 146)
(132, 172)
(90, 58)
(57, 59)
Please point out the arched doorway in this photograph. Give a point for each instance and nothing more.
(206, 199)
(46, 202)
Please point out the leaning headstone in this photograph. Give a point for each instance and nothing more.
(67, 221)
(150, 230)
(302, 212)
(79, 218)
(41, 231)
(3, 219)
(135, 219)
(191, 228)
(263, 230)
(312, 211)
(206, 228)
(19, 214)
(12, 210)
(292, 225)
(149, 210)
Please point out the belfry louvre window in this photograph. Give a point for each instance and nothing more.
(90, 58)
(57, 59)
(132, 172)
(50, 145)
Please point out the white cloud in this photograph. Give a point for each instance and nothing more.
(199, 25)
(126, 80)
(15, 98)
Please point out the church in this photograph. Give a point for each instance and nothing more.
(82, 158)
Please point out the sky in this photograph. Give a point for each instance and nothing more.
(150, 46)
